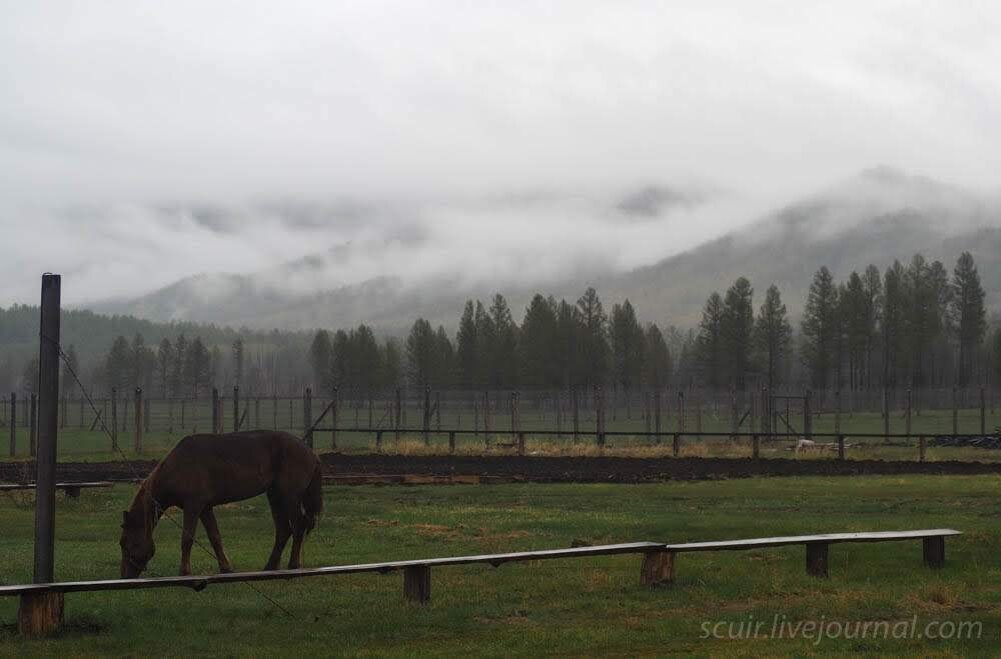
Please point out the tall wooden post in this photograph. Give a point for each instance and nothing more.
(13, 424)
(236, 408)
(333, 420)
(215, 410)
(734, 419)
(656, 414)
(137, 437)
(886, 414)
(955, 413)
(426, 425)
(486, 418)
(983, 411)
(33, 426)
(307, 417)
(437, 412)
(910, 406)
(576, 414)
(397, 415)
(807, 417)
(44, 613)
(837, 415)
(114, 419)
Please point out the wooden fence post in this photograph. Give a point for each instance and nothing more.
(576, 414)
(13, 424)
(215, 410)
(837, 413)
(955, 413)
(451, 442)
(398, 413)
(886, 414)
(807, 417)
(910, 406)
(417, 584)
(734, 419)
(486, 418)
(841, 446)
(333, 420)
(307, 417)
(137, 437)
(426, 424)
(114, 419)
(983, 411)
(921, 448)
(236, 408)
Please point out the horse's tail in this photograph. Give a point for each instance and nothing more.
(312, 500)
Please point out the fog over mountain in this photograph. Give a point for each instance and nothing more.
(877, 216)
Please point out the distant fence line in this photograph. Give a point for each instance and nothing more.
(594, 411)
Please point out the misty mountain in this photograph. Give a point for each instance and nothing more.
(875, 217)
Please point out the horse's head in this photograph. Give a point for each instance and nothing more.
(137, 544)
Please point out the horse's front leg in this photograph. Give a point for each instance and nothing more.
(191, 513)
(212, 530)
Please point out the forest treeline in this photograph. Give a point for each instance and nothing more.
(915, 325)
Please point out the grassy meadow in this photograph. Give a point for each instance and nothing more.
(568, 607)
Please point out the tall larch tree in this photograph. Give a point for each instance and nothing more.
(709, 344)
(773, 335)
(736, 332)
(818, 328)
(969, 314)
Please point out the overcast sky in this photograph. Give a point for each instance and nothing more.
(508, 140)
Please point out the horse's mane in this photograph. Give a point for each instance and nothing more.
(144, 503)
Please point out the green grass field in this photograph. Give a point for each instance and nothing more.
(571, 607)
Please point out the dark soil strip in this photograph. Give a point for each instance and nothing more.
(553, 469)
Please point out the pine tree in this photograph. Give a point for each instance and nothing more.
(486, 339)
(773, 335)
(537, 344)
(116, 365)
(391, 364)
(657, 361)
(238, 350)
(320, 356)
(894, 324)
(819, 326)
(503, 348)
(872, 287)
(341, 362)
(969, 315)
(569, 335)
(736, 332)
(626, 338)
(855, 323)
(593, 339)
(709, 344)
(421, 354)
(164, 363)
(365, 360)
(444, 359)
(197, 366)
(467, 350)
(177, 371)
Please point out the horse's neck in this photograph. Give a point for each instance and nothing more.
(144, 504)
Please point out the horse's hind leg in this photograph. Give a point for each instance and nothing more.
(283, 529)
(191, 513)
(298, 533)
(212, 529)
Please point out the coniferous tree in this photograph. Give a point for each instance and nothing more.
(503, 347)
(364, 351)
(773, 336)
(537, 347)
(819, 328)
(736, 332)
(894, 324)
(177, 371)
(238, 355)
(593, 339)
(420, 350)
(341, 363)
(391, 364)
(197, 366)
(569, 355)
(164, 363)
(320, 357)
(872, 287)
(444, 358)
(467, 350)
(116, 365)
(969, 314)
(486, 339)
(657, 358)
(996, 350)
(709, 344)
(626, 338)
(855, 324)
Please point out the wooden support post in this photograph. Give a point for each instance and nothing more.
(137, 435)
(837, 413)
(451, 442)
(921, 448)
(307, 417)
(886, 414)
(114, 419)
(807, 418)
(755, 447)
(398, 412)
(44, 613)
(955, 413)
(437, 412)
(236, 408)
(733, 414)
(657, 568)
(933, 551)
(378, 441)
(215, 411)
(983, 411)
(13, 424)
(426, 424)
(676, 444)
(417, 584)
(40, 614)
(599, 413)
(841, 447)
(907, 419)
(521, 443)
(333, 420)
(576, 414)
(146, 415)
(33, 426)
(816, 559)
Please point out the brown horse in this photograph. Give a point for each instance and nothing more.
(203, 471)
